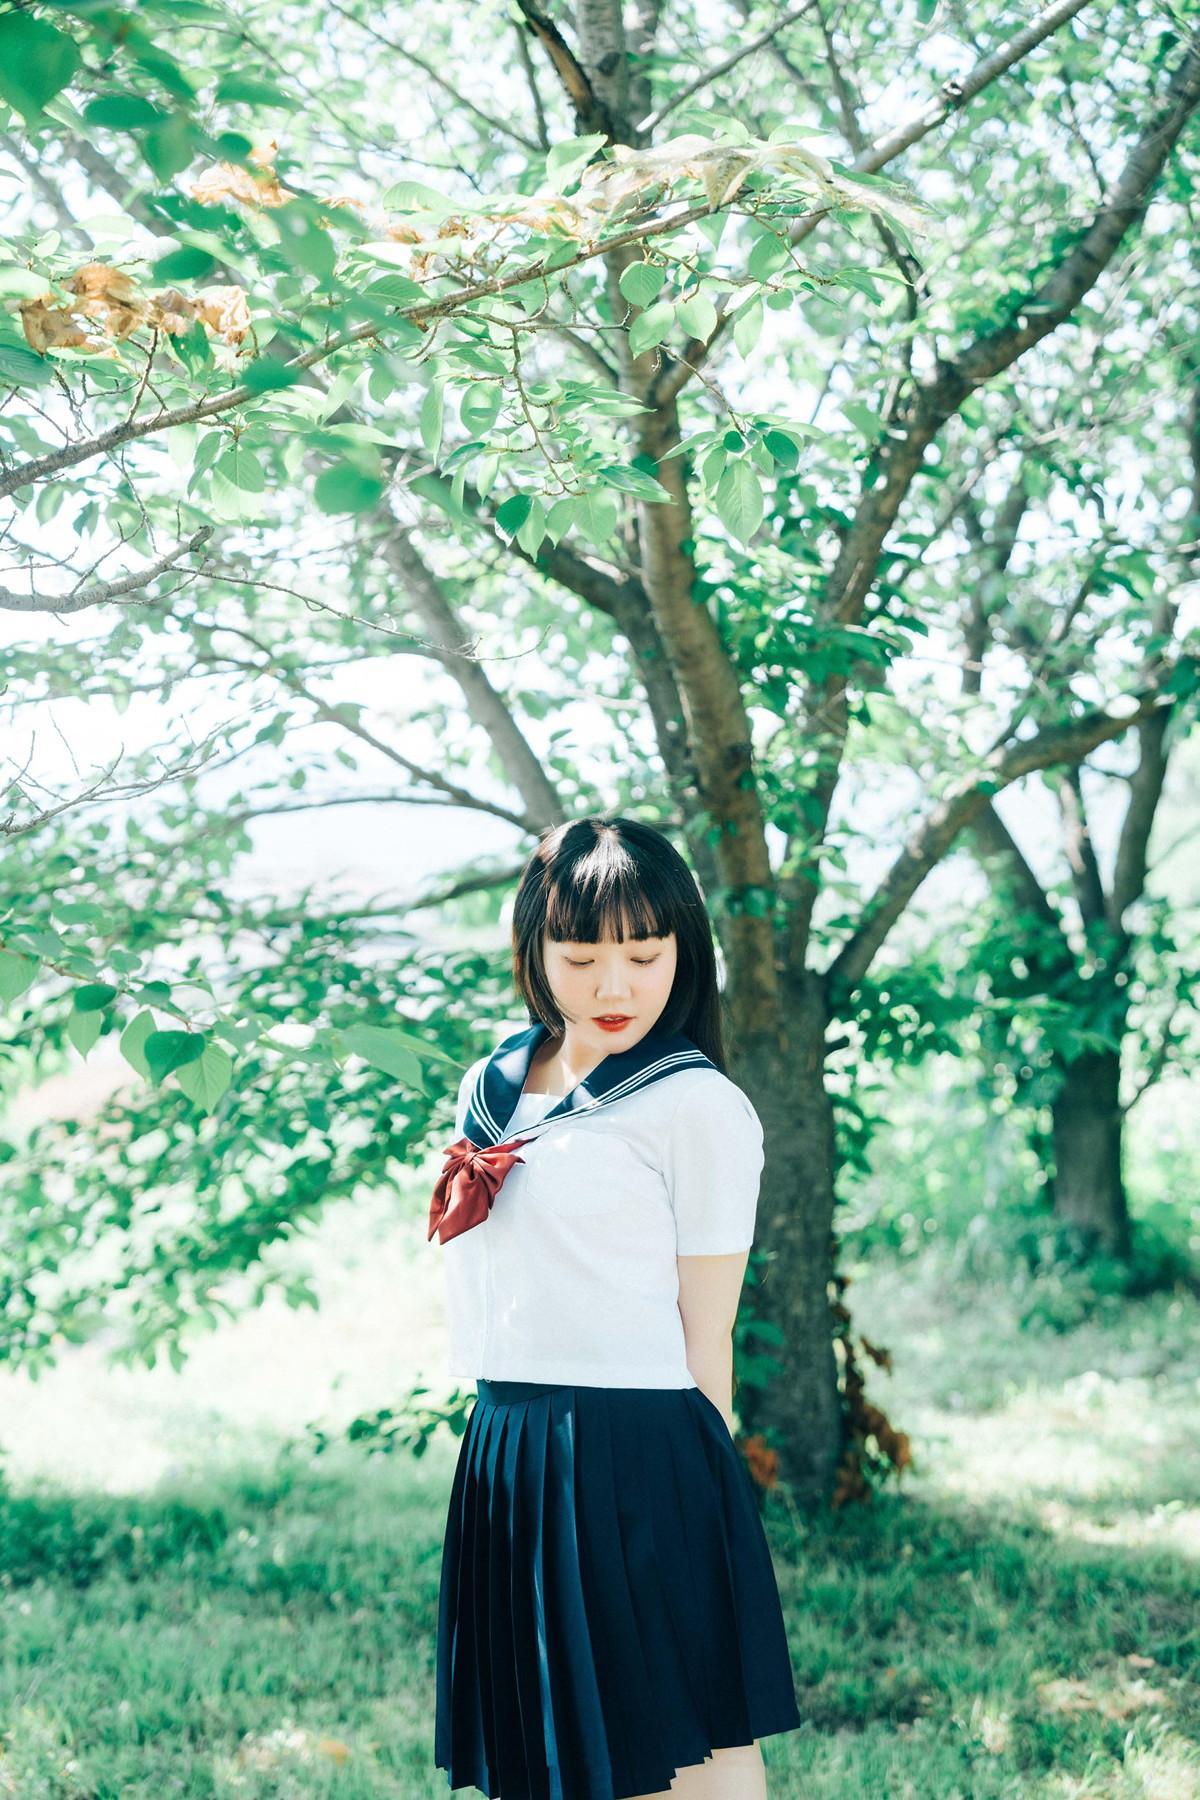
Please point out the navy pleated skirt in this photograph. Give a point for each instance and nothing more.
(608, 1611)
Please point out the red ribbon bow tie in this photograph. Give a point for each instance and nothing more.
(470, 1180)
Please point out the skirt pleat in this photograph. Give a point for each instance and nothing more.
(608, 1612)
(521, 1748)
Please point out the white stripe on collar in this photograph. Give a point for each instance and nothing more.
(500, 1082)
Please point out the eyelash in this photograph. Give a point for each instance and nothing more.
(642, 962)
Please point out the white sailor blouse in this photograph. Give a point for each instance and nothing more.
(560, 1220)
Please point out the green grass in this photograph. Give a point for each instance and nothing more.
(237, 1618)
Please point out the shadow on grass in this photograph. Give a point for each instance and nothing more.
(271, 1633)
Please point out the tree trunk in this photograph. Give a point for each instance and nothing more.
(800, 1407)
(1089, 1192)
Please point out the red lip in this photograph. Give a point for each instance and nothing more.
(615, 1022)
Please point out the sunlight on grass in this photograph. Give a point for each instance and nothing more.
(192, 1603)
(380, 1327)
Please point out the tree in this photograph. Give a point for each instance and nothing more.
(743, 561)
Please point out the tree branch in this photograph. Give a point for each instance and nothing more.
(101, 591)
(1149, 778)
(488, 708)
(962, 806)
(1081, 852)
(952, 96)
(627, 604)
(707, 76)
(891, 469)
(996, 842)
(501, 127)
(344, 717)
(592, 113)
(419, 312)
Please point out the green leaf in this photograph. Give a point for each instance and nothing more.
(651, 327)
(122, 112)
(266, 373)
(170, 145)
(161, 67)
(83, 1029)
(394, 290)
(432, 414)
(207, 1078)
(23, 368)
(512, 513)
(238, 485)
(747, 327)
(414, 196)
(533, 530)
(445, 496)
(640, 283)
(188, 264)
(596, 516)
(712, 227)
(563, 159)
(132, 1042)
(168, 1050)
(346, 489)
(94, 996)
(782, 448)
(769, 255)
(479, 407)
(698, 316)
(739, 501)
(865, 417)
(16, 974)
(632, 480)
(193, 348)
(250, 91)
(486, 471)
(25, 284)
(387, 1050)
(422, 1047)
(305, 244)
(36, 62)
(48, 942)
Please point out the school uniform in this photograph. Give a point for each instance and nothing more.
(608, 1611)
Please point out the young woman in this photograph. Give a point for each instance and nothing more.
(609, 1625)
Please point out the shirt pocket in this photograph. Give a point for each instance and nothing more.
(581, 1173)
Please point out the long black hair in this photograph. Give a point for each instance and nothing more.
(598, 873)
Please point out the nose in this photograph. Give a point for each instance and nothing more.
(612, 984)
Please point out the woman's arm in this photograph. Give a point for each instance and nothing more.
(709, 1290)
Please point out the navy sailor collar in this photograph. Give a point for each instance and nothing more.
(498, 1085)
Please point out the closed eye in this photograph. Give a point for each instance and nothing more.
(643, 962)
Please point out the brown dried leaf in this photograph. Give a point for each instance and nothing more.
(229, 181)
(50, 325)
(761, 1459)
(225, 311)
(106, 298)
(171, 311)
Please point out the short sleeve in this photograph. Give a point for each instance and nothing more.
(713, 1165)
(464, 1095)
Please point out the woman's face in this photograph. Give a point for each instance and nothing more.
(591, 982)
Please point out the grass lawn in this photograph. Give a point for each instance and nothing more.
(189, 1606)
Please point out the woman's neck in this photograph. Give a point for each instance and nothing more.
(553, 1068)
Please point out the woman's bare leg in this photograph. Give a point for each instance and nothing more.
(736, 1773)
